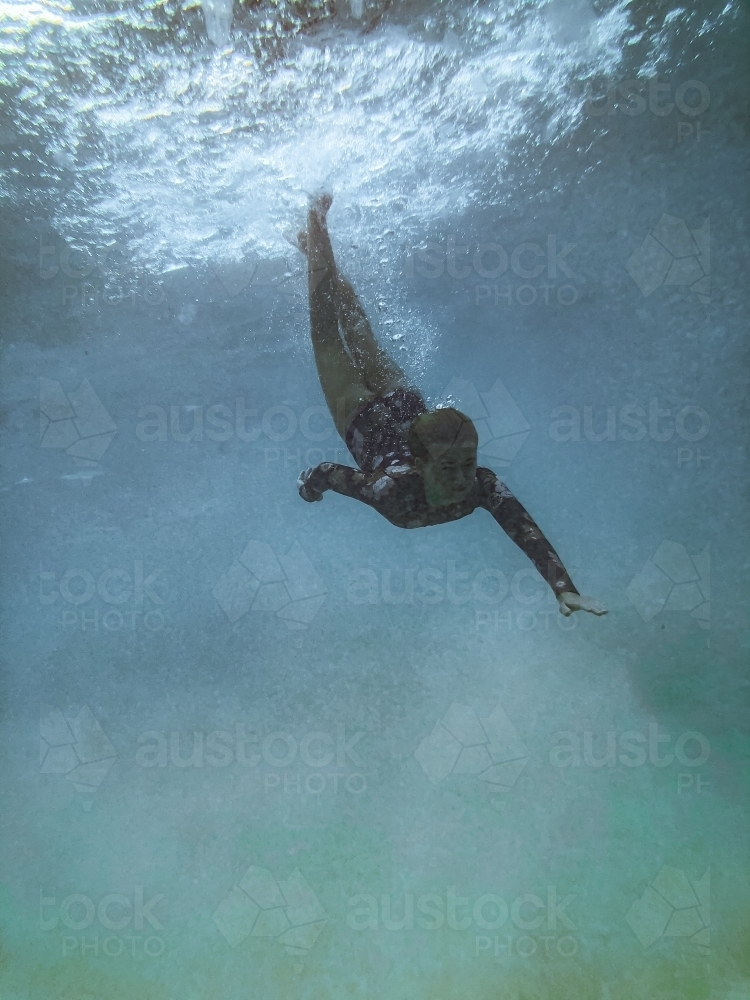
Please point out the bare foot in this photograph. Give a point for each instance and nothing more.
(320, 205)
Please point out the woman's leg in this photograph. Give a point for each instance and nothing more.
(340, 376)
(379, 371)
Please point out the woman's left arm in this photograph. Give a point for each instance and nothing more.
(518, 524)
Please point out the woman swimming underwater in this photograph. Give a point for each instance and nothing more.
(418, 467)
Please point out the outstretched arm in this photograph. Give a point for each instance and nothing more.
(313, 483)
(518, 524)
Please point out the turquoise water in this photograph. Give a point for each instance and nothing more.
(256, 748)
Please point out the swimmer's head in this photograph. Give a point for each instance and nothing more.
(444, 446)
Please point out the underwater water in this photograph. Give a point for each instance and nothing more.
(257, 748)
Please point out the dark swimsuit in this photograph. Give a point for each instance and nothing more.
(388, 481)
(379, 430)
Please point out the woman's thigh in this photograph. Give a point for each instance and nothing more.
(342, 386)
(379, 371)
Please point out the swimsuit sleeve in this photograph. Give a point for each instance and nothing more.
(518, 524)
(345, 480)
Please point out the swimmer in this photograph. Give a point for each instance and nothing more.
(416, 467)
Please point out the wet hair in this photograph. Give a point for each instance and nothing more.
(432, 434)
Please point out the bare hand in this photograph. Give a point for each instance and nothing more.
(569, 602)
(305, 491)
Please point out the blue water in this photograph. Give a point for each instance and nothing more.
(257, 748)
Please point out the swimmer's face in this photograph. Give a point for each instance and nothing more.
(449, 477)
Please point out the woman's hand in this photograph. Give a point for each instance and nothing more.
(306, 491)
(569, 602)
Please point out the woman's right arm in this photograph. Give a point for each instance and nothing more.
(343, 479)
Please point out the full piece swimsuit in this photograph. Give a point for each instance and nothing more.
(388, 481)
